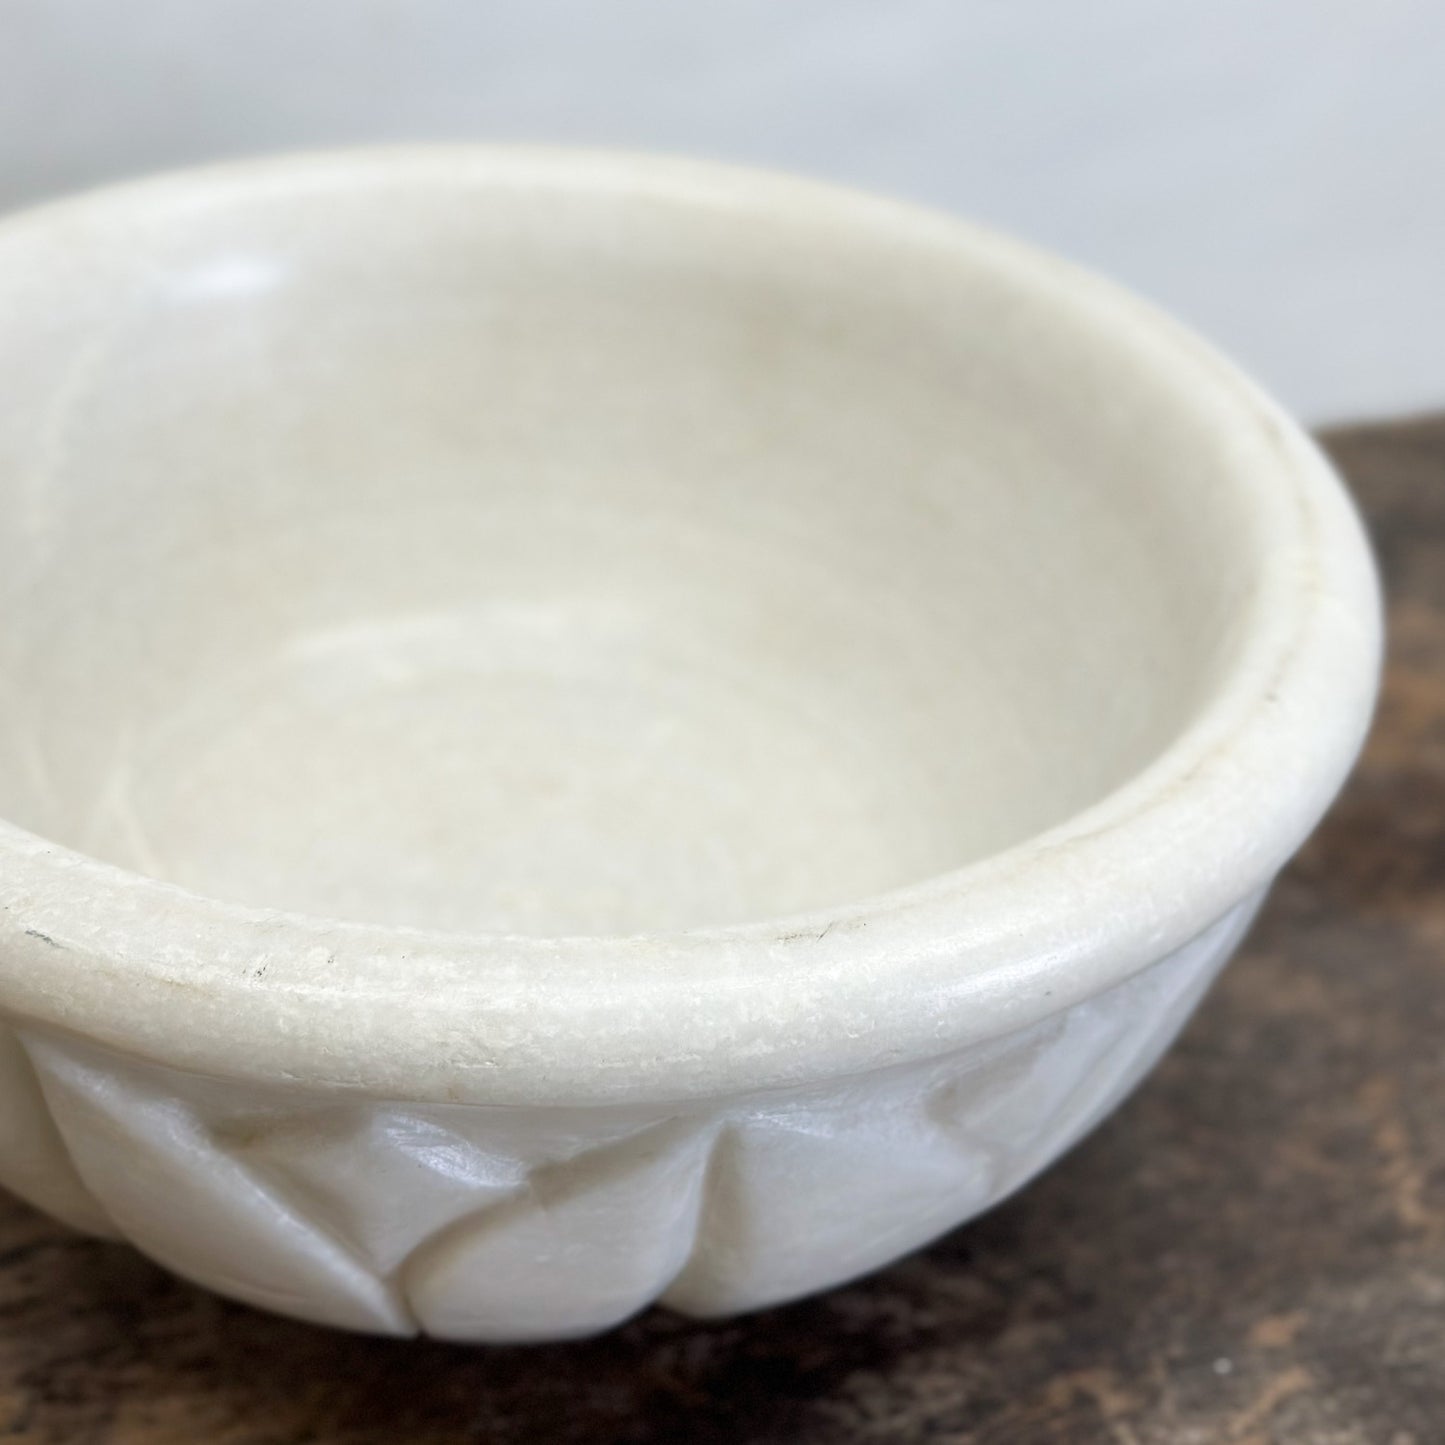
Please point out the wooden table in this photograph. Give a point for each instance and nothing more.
(1251, 1251)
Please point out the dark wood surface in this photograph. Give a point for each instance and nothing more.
(1251, 1251)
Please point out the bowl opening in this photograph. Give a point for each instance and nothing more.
(556, 559)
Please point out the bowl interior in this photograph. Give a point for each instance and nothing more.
(552, 554)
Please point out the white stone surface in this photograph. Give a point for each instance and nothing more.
(504, 1224)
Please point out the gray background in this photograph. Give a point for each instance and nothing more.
(1272, 170)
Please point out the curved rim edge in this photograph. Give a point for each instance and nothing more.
(198, 984)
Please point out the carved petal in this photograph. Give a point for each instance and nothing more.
(591, 1242)
(195, 1207)
(33, 1158)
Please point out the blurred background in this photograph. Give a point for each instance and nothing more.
(1272, 172)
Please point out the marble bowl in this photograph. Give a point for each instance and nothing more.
(581, 730)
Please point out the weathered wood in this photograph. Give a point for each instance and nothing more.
(1251, 1251)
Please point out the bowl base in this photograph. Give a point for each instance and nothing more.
(529, 769)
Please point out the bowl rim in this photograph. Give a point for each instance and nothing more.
(203, 985)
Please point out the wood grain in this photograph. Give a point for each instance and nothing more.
(1252, 1251)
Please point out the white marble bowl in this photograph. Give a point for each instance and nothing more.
(580, 730)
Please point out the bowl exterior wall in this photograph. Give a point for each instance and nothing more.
(505, 1224)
